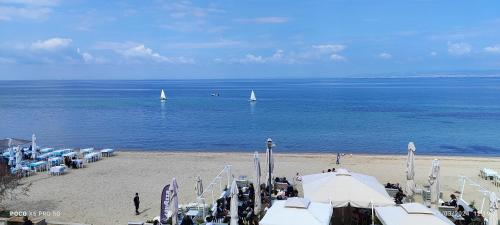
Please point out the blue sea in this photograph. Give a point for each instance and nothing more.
(447, 116)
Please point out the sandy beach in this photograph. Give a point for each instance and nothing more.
(101, 193)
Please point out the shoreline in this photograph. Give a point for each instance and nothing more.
(312, 153)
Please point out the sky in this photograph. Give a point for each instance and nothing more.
(82, 39)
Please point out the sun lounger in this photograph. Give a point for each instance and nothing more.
(78, 162)
(46, 150)
(69, 154)
(487, 173)
(92, 157)
(496, 180)
(57, 170)
(55, 160)
(38, 166)
(61, 152)
(107, 152)
(86, 151)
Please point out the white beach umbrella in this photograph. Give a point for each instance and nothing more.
(434, 182)
(256, 183)
(11, 148)
(410, 170)
(199, 186)
(19, 158)
(493, 212)
(33, 147)
(12, 153)
(174, 202)
(234, 203)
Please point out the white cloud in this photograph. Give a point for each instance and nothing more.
(253, 59)
(26, 9)
(492, 49)
(188, 17)
(51, 44)
(384, 55)
(278, 56)
(330, 52)
(203, 45)
(186, 9)
(330, 48)
(336, 57)
(265, 20)
(459, 48)
(88, 58)
(433, 53)
(142, 52)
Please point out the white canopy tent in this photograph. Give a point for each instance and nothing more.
(297, 211)
(344, 188)
(410, 214)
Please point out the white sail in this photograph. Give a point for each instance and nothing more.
(252, 96)
(162, 95)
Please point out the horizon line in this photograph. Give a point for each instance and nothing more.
(273, 78)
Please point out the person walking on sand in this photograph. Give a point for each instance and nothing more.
(338, 158)
(136, 203)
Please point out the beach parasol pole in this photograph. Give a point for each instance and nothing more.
(269, 157)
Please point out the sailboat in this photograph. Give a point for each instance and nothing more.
(252, 97)
(163, 97)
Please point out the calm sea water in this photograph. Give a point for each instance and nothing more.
(459, 116)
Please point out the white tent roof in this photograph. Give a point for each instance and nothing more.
(342, 188)
(410, 214)
(281, 214)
